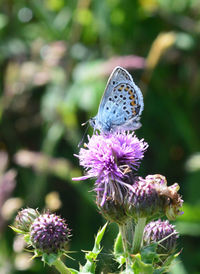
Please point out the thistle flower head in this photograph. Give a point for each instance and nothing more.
(113, 207)
(163, 233)
(143, 200)
(25, 218)
(49, 233)
(151, 197)
(169, 194)
(110, 158)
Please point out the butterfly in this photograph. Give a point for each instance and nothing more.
(121, 104)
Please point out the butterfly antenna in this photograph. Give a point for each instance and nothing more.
(83, 124)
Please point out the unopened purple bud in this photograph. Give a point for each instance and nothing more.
(144, 201)
(49, 233)
(151, 197)
(163, 233)
(112, 206)
(25, 218)
(169, 194)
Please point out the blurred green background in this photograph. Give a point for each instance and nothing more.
(55, 59)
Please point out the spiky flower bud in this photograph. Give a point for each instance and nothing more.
(163, 233)
(49, 233)
(113, 208)
(144, 201)
(25, 218)
(151, 198)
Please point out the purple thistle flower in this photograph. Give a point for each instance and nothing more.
(110, 158)
(163, 233)
(49, 233)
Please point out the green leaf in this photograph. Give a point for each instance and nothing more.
(27, 238)
(73, 271)
(118, 246)
(170, 259)
(99, 238)
(91, 256)
(50, 258)
(148, 253)
(160, 271)
(17, 230)
(128, 270)
(118, 250)
(140, 267)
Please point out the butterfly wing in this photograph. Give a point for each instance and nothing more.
(121, 104)
(118, 75)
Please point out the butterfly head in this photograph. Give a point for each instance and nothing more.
(92, 122)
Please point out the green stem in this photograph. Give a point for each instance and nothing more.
(130, 232)
(61, 267)
(125, 243)
(122, 229)
(139, 229)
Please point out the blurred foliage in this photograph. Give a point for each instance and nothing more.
(55, 58)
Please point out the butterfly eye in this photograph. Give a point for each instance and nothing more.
(92, 122)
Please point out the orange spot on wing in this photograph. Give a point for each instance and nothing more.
(130, 92)
(133, 103)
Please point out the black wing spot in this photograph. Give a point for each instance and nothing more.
(115, 96)
(125, 118)
(137, 110)
(107, 108)
(113, 82)
(124, 107)
(127, 112)
(124, 98)
(114, 111)
(120, 96)
(110, 99)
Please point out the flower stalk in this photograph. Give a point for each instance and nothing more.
(138, 235)
(61, 267)
(125, 243)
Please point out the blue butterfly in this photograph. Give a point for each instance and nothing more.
(121, 105)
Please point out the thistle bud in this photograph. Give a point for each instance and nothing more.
(144, 201)
(151, 198)
(113, 208)
(25, 218)
(163, 233)
(49, 233)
